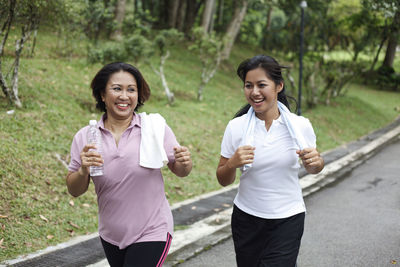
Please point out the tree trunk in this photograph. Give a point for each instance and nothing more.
(5, 29)
(220, 17)
(377, 54)
(119, 18)
(192, 9)
(172, 14)
(233, 29)
(207, 15)
(390, 51)
(181, 15)
(392, 42)
(266, 28)
(160, 72)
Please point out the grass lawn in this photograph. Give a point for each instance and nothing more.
(35, 209)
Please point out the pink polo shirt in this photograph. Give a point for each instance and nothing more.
(131, 199)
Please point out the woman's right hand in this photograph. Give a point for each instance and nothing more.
(89, 158)
(243, 155)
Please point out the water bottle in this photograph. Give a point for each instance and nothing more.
(94, 137)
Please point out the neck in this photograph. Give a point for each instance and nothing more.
(117, 125)
(269, 116)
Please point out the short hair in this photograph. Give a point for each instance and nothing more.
(100, 81)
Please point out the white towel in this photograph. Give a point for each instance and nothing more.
(287, 118)
(152, 152)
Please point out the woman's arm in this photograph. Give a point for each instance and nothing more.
(78, 182)
(183, 163)
(226, 170)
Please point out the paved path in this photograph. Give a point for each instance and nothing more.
(355, 222)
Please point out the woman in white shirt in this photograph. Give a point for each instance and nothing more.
(266, 141)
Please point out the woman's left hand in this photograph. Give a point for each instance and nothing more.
(312, 160)
(183, 163)
(182, 155)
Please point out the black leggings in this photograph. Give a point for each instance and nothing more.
(142, 254)
(266, 242)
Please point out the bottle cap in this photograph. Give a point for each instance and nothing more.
(92, 122)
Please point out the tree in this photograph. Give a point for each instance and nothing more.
(208, 48)
(27, 14)
(207, 15)
(119, 18)
(233, 28)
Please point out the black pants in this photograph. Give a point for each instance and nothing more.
(266, 242)
(142, 254)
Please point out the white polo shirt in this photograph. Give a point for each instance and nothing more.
(271, 188)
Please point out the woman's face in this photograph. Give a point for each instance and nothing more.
(121, 95)
(261, 92)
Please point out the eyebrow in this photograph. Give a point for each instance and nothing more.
(121, 84)
(257, 81)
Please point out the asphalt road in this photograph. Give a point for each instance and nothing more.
(354, 222)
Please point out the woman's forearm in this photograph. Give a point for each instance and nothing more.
(77, 182)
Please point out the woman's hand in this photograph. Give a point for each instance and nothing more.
(89, 158)
(312, 160)
(183, 163)
(226, 170)
(243, 155)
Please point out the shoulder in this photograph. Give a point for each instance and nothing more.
(238, 122)
(300, 121)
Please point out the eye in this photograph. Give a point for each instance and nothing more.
(262, 85)
(116, 88)
(248, 86)
(131, 89)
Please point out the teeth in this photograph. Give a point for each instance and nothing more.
(122, 105)
(258, 101)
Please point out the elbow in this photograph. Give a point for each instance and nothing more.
(224, 182)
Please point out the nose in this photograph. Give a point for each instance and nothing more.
(255, 91)
(123, 94)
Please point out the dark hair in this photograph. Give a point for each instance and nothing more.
(100, 81)
(273, 71)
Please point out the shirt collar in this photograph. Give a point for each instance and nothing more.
(279, 120)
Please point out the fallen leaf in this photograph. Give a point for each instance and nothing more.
(194, 207)
(1, 243)
(216, 210)
(35, 198)
(72, 233)
(28, 244)
(43, 218)
(48, 182)
(71, 202)
(393, 262)
(226, 205)
(86, 205)
(73, 224)
(3, 216)
(50, 236)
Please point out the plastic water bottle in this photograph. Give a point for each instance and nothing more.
(94, 137)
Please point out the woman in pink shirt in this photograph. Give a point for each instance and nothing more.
(135, 220)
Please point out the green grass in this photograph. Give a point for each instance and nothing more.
(36, 210)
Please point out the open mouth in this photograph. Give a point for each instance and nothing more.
(258, 101)
(122, 106)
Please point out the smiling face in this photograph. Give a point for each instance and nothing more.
(120, 95)
(262, 93)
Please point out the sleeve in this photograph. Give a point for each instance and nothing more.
(169, 143)
(76, 148)
(309, 134)
(228, 147)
